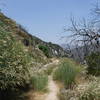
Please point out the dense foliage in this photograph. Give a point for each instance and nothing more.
(14, 61)
(66, 72)
(93, 61)
(39, 82)
(84, 91)
(45, 50)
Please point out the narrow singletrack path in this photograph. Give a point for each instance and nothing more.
(53, 90)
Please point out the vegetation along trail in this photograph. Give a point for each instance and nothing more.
(53, 88)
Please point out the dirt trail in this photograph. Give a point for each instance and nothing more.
(51, 95)
(52, 88)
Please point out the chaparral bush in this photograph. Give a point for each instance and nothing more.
(93, 61)
(14, 61)
(84, 91)
(45, 50)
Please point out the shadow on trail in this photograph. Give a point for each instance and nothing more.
(18, 94)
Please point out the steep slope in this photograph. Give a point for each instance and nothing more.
(27, 39)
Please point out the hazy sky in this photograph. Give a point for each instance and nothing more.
(46, 18)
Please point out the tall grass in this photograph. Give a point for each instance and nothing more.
(39, 82)
(66, 73)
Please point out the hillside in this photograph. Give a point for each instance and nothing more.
(28, 40)
(22, 56)
(32, 69)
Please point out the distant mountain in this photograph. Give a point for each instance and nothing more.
(28, 40)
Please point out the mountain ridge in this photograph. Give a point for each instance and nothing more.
(21, 34)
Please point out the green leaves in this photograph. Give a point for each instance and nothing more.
(45, 50)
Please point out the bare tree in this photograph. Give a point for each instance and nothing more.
(86, 34)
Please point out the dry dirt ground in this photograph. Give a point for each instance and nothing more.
(53, 90)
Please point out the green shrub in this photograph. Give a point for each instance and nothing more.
(39, 82)
(66, 73)
(14, 61)
(93, 61)
(45, 50)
